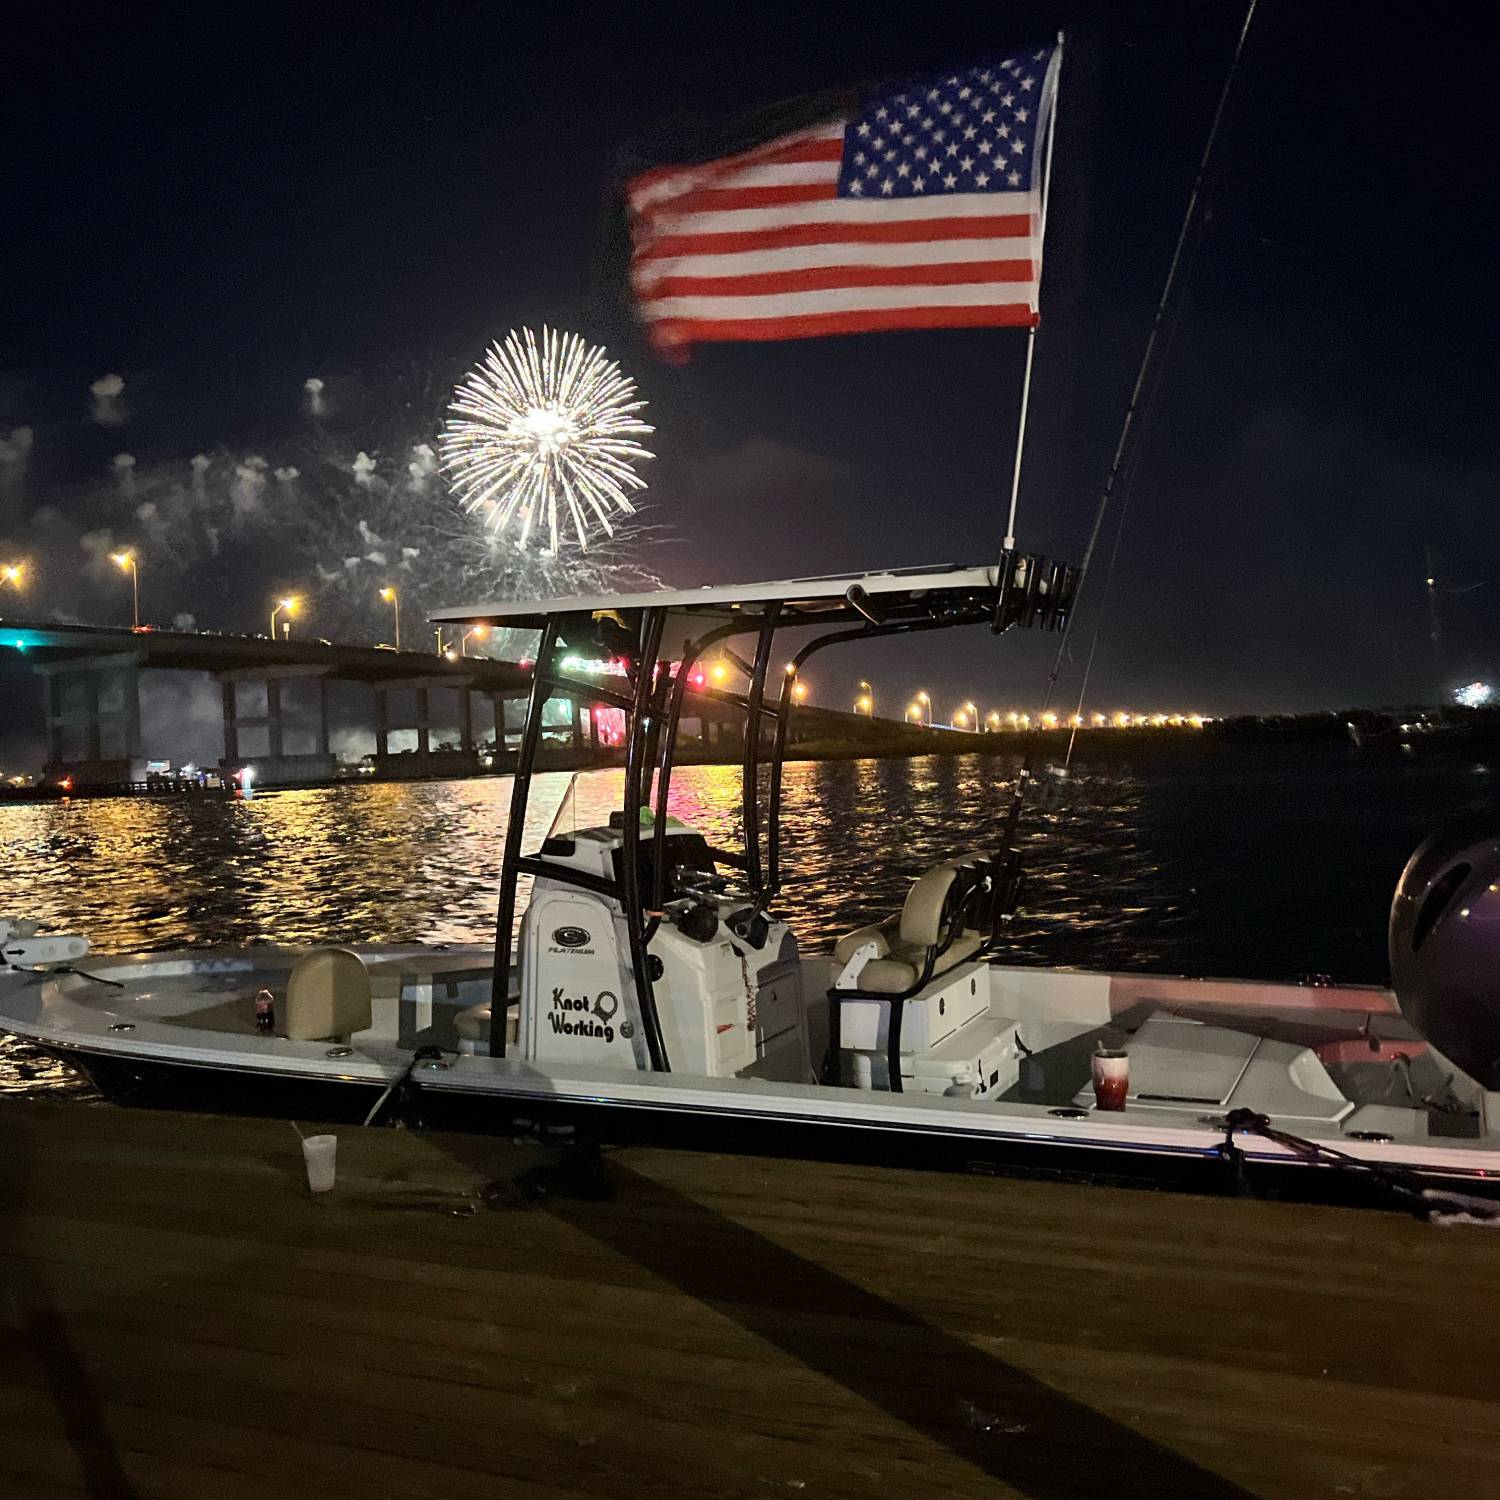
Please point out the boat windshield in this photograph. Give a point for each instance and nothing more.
(565, 820)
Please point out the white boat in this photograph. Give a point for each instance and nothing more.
(654, 984)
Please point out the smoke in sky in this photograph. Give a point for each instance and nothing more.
(422, 469)
(249, 487)
(96, 547)
(336, 516)
(15, 453)
(124, 466)
(153, 523)
(106, 391)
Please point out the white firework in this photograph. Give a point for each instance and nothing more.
(544, 434)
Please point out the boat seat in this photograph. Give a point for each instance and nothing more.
(327, 997)
(897, 973)
(473, 1026)
(902, 941)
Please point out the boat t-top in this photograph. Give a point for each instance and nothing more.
(651, 982)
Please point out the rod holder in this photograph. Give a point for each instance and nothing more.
(861, 602)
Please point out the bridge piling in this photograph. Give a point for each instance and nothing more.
(275, 767)
(93, 719)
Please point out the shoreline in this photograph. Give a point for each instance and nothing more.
(1406, 734)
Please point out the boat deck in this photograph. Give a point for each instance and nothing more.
(184, 1319)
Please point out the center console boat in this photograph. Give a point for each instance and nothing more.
(650, 982)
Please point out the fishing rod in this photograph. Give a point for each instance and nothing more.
(1141, 398)
(1147, 368)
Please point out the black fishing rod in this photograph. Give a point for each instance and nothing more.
(1141, 396)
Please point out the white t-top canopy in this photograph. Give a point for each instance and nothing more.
(810, 596)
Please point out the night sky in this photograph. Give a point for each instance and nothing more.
(218, 202)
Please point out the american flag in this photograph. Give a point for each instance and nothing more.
(923, 209)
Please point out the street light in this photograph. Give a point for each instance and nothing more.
(865, 703)
(960, 719)
(799, 691)
(289, 606)
(393, 598)
(482, 631)
(926, 703)
(125, 562)
(13, 573)
(992, 719)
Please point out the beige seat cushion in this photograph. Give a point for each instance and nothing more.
(473, 1024)
(327, 995)
(903, 967)
(879, 933)
(902, 942)
(922, 913)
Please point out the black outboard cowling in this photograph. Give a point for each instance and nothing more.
(1445, 945)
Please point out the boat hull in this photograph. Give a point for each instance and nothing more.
(135, 1082)
(155, 1083)
(179, 1031)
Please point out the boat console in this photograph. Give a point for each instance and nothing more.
(726, 978)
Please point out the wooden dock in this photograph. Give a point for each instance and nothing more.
(181, 1318)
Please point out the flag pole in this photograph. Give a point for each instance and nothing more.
(1015, 478)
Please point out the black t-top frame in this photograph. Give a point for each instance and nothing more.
(1023, 590)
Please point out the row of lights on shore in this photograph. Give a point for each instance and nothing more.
(968, 717)
(1121, 719)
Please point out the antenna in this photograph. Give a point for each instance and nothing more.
(1434, 622)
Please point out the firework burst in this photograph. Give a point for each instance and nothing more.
(544, 434)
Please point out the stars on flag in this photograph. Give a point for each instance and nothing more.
(970, 132)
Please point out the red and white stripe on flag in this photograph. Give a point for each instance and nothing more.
(828, 231)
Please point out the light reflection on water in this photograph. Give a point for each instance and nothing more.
(1261, 865)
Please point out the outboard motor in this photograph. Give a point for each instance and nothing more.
(1445, 945)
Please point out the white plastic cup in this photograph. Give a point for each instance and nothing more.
(319, 1152)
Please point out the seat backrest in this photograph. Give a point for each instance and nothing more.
(922, 923)
(327, 995)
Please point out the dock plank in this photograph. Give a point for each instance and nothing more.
(183, 1318)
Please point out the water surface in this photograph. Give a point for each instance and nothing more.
(1265, 863)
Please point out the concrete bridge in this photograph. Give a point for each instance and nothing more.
(92, 675)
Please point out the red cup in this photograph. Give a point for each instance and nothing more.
(1110, 1068)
